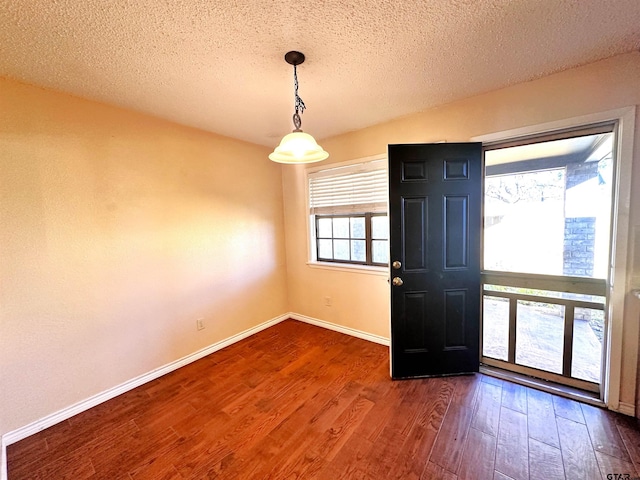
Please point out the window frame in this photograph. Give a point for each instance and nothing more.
(313, 261)
(368, 238)
(624, 117)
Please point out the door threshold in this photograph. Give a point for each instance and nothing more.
(590, 398)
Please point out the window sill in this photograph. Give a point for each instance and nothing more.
(345, 267)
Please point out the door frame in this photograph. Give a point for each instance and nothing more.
(618, 285)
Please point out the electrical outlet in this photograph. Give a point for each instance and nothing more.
(200, 324)
(327, 301)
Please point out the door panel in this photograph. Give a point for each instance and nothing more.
(415, 306)
(454, 315)
(414, 217)
(435, 218)
(456, 227)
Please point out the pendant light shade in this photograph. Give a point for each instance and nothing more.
(297, 146)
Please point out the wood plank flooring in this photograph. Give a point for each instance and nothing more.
(300, 402)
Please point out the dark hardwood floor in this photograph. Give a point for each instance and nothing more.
(299, 402)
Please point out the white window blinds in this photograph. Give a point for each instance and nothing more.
(357, 188)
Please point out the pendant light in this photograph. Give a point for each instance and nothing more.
(297, 146)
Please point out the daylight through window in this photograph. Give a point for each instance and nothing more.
(348, 208)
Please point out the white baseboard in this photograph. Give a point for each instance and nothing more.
(68, 412)
(339, 328)
(627, 409)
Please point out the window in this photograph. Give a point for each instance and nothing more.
(360, 238)
(348, 208)
(548, 204)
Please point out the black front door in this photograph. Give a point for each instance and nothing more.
(435, 219)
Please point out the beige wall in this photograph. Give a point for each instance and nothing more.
(117, 231)
(361, 301)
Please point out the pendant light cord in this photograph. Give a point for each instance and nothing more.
(298, 103)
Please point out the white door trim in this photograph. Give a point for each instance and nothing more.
(625, 118)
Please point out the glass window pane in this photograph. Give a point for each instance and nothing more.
(341, 228)
(325, 249)
(554, 221)
(380, 227)
(324, 228)
(495, 327)
(357, 227)
(525, 235)
(540, 336)
(380, 251)
(588, 334)
(358, 251)
(341, 249)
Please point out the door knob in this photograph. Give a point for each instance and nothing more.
(397, 281)
(396, 264)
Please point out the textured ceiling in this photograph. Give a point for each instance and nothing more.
(218, 64)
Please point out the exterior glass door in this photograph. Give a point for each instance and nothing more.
(547, 228)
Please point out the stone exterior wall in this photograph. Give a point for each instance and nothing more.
(579, 241)
(578, 173)
(579, 232)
